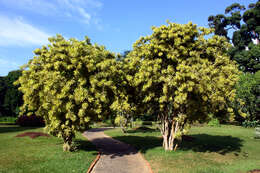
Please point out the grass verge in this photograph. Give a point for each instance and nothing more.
(225, 149)
(42, 154)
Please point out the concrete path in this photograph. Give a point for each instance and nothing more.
(116, 156)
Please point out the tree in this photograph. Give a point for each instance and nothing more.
(2, 95)
(12, 98)
(182, 77)
(247, 97)
(245, 37)
(126, 95)
(68, 83)
(222, 24)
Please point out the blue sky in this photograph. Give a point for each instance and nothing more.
(116, 24)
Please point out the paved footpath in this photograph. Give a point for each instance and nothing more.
(116, 156)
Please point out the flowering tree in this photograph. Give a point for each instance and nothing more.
(183, 76)
(69, 84)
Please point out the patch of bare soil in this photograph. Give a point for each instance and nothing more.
(33, 134)
(254, 171)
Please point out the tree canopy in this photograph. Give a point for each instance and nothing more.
(245, 39)
(248, 91)
(10, 97)
(68, 83)
(179, 73)
(182, 76)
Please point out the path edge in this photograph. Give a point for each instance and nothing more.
(95, 161)
(147, 163)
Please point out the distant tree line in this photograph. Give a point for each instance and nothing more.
(245, 50)
(10, 97)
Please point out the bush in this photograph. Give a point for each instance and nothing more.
(214, 122)
(30, 121)
(8, 119)
(249, 124)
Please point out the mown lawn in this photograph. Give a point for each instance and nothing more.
(225, 149)
(41, 154)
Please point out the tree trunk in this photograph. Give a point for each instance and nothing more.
(67, 146)
(169, 129)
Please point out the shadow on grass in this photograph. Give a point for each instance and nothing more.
(142, 129)
(14, 128)
(84, 145)
(201, 143)
(213, 143)
(141, 143)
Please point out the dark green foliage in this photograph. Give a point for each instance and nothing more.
(247, 93)
(248, 60)
(248, 124)
(2, 95)
(246, 29)
(10, 97)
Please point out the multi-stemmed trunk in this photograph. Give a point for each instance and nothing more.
(171, 130)
(67, 145)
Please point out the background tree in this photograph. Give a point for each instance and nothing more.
(183, 77)
(127, 97)
(10, 97)
(13, 98)
(68, 83)
(247, 98)
(2, 95)
(245, 37)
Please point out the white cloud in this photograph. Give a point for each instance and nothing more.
(94, 3)
(85, 15)
(39, 6)
(17, 32)
(76, 9)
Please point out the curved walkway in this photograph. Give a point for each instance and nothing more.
(116, 156)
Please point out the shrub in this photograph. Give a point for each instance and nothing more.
(8, 119)
(214, 122)
(30, 121)
(249, 124)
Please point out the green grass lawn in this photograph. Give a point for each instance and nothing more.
(41, 154)
(225, 149)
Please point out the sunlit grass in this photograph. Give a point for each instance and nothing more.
(42, 154)
(225, 149)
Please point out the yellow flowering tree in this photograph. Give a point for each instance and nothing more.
(125, 95)
(69, 83)
(183, 76)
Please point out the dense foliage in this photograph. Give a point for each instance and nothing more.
(69, 84)
(178, 75)
(182, 76)
(10, 97)
(247, 96)
(245, 39)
